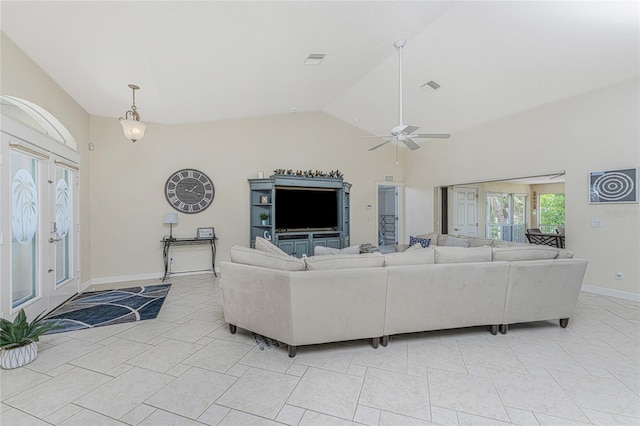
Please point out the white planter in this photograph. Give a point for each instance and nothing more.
(17, 357)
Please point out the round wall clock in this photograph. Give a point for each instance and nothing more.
(189, 191)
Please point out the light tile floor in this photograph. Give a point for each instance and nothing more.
(185, 368)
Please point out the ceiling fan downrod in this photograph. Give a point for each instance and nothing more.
(399, 45)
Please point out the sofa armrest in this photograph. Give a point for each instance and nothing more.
(543, 289)
(257, 299)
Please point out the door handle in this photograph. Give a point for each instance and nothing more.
(54, 240)
(456, 229)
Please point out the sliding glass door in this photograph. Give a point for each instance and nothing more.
(506, 216)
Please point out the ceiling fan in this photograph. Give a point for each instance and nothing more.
(404, 132)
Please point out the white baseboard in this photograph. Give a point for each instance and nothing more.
(603, 291)
(139, 277)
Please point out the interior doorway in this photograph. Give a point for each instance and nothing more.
(388, 217)
(465, 211)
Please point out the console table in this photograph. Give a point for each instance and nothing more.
(168, 242)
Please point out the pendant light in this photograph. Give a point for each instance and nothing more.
(133, 128)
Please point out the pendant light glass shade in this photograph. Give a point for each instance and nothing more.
(133, 129)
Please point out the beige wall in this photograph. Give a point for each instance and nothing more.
(23, 78)
(122, 203)
(128, 180)
(599, 130)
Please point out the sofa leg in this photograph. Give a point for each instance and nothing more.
(504, 328)
(564, 322)
(385, 341)
(493, 329)
(374, 342)
(292, 351)
(233, 328)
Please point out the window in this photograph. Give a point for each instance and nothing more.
(506, 217)
(551, 212)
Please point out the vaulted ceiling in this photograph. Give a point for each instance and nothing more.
(214, 60)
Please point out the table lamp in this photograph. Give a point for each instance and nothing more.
(171, 218)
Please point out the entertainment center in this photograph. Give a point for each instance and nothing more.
(302, 212)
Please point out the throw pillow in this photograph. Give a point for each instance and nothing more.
(249, 256)
(424, 242)
(268, 246)
(414, 247)
(456, 242)
(433, 236)
(368, 248)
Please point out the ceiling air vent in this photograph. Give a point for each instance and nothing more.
(430, 87)
(314, 59)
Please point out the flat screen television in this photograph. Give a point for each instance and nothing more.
(306, 208)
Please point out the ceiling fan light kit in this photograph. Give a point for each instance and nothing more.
(404, 132)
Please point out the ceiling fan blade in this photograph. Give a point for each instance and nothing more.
(377, 136)
(432, 135)
(378, 146)
(411, 144)
(410, 129)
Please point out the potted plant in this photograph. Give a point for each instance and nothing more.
(265, 218)
(18, 339)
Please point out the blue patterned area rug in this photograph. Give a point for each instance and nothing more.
(106, 307)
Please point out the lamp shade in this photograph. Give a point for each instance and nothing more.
(133, 129)
(171, 218)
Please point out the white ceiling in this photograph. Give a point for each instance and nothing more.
(210, 60)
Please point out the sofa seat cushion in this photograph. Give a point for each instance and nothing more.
(527, 252)
(268, 246)
(344, 261)
(462, 254)
(423, 256)
(249, 256)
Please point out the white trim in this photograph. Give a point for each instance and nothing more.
(603, 291)
(138, 277)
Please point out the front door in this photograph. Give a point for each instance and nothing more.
(465, 211)
(39, 266)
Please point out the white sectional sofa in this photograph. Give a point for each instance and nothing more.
(332, 298)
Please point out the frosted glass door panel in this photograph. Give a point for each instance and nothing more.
(25, 206)
(63, 225)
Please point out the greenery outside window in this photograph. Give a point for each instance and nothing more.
(551, 212)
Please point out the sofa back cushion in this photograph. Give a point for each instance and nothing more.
(322, 250)
(526, 252)
(266, 245)
(249, 256)
(456, 242)
(344, 261)
(462, 254)
(423, 256)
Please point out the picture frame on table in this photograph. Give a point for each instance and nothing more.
(206, 233)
